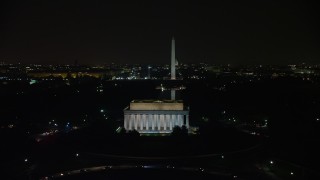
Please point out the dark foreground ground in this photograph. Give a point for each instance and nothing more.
(147, 173)
(291, 107)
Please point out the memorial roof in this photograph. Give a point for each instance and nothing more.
(156, 101)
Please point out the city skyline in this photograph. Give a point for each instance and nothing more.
(133, 33)
(159, 90)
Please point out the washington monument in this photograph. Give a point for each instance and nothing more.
(173, 60)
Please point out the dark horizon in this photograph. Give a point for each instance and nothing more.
(96, 32)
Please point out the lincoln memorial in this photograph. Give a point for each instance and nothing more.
(155, 116)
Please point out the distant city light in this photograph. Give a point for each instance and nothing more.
(32, 81)
(77, 155)
(102, 110)
(271, 162)
(222, 157)
(26, 160)
(291, 173)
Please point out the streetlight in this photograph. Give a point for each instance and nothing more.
(271, 162)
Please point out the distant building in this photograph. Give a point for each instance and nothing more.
(155, 116)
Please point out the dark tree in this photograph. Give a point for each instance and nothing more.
(134, 133)
(122, 131)
(184, 130)
(179, 131)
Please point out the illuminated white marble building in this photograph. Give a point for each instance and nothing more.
(155, 116)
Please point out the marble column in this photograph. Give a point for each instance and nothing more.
(135, 122)
(162, 118)
(170, 122)
(153, 120)
(147, 121)
(165, 122)
(141, 121)
(187, 121)
(175, 120)
(125, 122)
(130, 121)
(158, 122)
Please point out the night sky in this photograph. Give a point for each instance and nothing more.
(98, 32)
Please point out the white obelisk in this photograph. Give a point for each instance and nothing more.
(173, 60)
(173, 67)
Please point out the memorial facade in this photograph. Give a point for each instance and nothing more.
(148, 116)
